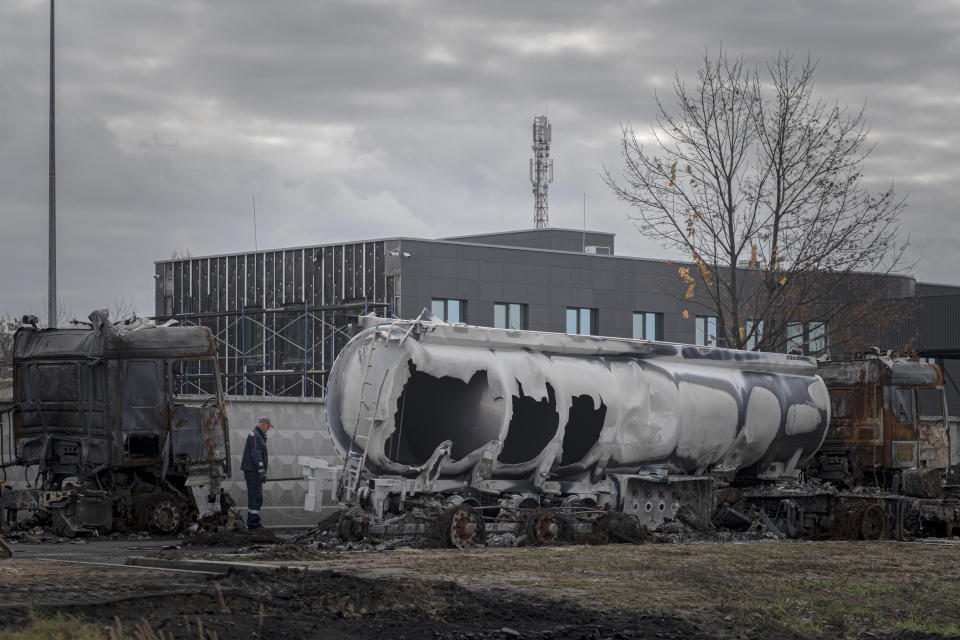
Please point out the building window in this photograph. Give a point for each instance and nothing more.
(753, 334)
(794, 336)
(706, 330)
(583, 321)
(449, 310)
(509, 315)
(817, 344)
(813, 334)
(647, 325)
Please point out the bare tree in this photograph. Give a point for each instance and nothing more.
(759, 184)
(122, 308)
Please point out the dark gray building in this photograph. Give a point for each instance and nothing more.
(280, 317)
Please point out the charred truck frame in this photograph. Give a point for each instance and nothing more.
(106, 442)
(466, 430)
(891, 471)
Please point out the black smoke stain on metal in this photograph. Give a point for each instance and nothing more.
(431, 410)
(583, 429)
(532, 427)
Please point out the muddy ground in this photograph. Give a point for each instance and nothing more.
(753, 590)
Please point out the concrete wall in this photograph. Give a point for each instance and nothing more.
(301, 430)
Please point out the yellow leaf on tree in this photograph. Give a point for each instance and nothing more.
(689, 293)
(741, 333)
(783, 281)
(685, 314)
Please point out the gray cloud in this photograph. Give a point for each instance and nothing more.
(352, 119)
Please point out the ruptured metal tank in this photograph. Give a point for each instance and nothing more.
(452, 399)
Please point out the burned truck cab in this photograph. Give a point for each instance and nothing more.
(107, 440)
(877, 432)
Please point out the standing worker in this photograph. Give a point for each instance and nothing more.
(254, 467)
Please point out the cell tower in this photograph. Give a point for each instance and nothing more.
(541, 171)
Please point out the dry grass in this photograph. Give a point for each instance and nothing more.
(61, 627)
(57, 627)
(820, 588)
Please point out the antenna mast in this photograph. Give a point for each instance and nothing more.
(541, 171)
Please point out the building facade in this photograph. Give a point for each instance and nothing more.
(280, 317)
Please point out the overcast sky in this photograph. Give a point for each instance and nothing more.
(358, 120)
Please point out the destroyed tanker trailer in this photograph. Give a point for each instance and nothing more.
(464, 431)
(106, 442)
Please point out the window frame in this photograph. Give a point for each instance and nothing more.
(508, 308)
(702, 335)
(592, 316)
(639, 329)
(462, 309)
(757, 338)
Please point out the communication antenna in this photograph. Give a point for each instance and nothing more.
(541, 171)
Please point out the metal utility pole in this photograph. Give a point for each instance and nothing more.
(254, 198)
(541, 171)
(52, 197)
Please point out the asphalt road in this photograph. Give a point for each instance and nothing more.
(113, 549)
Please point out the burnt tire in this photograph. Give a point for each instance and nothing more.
(161, 513)
(353, 528)
(623, 527)
(460, 527)
(548, 528)
(874, 524)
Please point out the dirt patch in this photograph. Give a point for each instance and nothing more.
(243, 538)
(772, 590)
(822, 589)
(288, 604)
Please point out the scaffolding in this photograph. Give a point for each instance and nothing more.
(280, 351)
(279, 317)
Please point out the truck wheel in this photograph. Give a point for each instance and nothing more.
(874, 524)
(548, 527)
(161, 513)
(624, 527)
(461, 527)
(353, 527)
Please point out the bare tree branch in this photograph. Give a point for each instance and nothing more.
(759, 183)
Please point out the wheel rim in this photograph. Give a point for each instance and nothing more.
(166, 516)
(546, 528)
(464, 528)
(873, 523)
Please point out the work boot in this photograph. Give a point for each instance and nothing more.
(253, 520)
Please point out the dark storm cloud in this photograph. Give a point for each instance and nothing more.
(355, 119)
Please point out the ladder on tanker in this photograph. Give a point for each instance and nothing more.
(348, 484)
